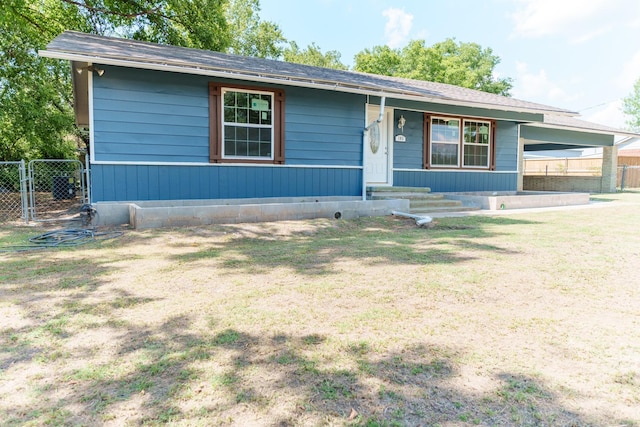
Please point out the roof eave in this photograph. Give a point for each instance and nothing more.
(274, 79)
(586, 130)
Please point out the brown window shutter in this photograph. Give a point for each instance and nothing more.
(492, 165)
(278, 143)
(215, 124)
(425, 141)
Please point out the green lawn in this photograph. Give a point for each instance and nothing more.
(528, 319)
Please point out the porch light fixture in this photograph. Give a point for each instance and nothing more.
(98, 71)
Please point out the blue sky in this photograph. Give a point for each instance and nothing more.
(582, 55)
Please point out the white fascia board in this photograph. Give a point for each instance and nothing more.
(326, 85)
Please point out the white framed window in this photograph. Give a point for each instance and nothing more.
(459, 142)
(445, 141)
(476, 143)
(246, 124)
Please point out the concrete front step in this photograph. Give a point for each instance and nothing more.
(438, 203)
(442, 209)
(381, 189)
(404, 195)
(421, 200)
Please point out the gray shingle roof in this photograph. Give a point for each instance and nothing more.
(77, 46)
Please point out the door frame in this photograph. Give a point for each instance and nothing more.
(387, 119)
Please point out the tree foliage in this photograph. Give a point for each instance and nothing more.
(35, 96)
(313, 55)
(36, 117)
(631, 107)
(461, 64)
(250, 35)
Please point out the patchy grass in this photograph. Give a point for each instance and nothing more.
(519, 319)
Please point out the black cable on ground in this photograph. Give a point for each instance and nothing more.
(63, 238)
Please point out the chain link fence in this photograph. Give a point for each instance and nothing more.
(13, 191)
(56, 189)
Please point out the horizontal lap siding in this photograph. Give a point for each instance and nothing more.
(150, 117)
(323, 128)
(409, 154)
(506, 146)
(156, 117)
(145, 116)
(143, 182)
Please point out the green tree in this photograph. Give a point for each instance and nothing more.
(461, 64)
(631, 107)
(250, 35)
(36, 117)
(380, 60)
(35, 95)
(313, 55)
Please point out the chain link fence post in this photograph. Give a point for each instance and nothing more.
(13, 192)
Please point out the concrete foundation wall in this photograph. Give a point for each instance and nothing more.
(588, 184)
(143, 215)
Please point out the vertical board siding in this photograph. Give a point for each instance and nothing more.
(142, 182)
(409, 154)
(448, 181)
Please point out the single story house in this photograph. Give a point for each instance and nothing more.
(173, 124)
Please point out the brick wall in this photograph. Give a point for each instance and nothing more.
(587, 184)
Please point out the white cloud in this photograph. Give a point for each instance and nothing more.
(536, 86)
(397, 27)
(542, 17)
(577, 20)
(630, 72)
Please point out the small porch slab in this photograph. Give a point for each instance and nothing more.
(520, 199)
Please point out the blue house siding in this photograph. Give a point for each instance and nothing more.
(450, 181)
(409, 154)
(323, 128)
(506, 146)
(152, 116)
(167, 182)
(145, 116)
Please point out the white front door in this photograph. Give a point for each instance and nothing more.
(377, 145)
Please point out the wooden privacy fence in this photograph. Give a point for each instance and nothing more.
(628, 169)
(628, 177)
(565, 166)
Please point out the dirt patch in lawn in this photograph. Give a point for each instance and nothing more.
(529, 319)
